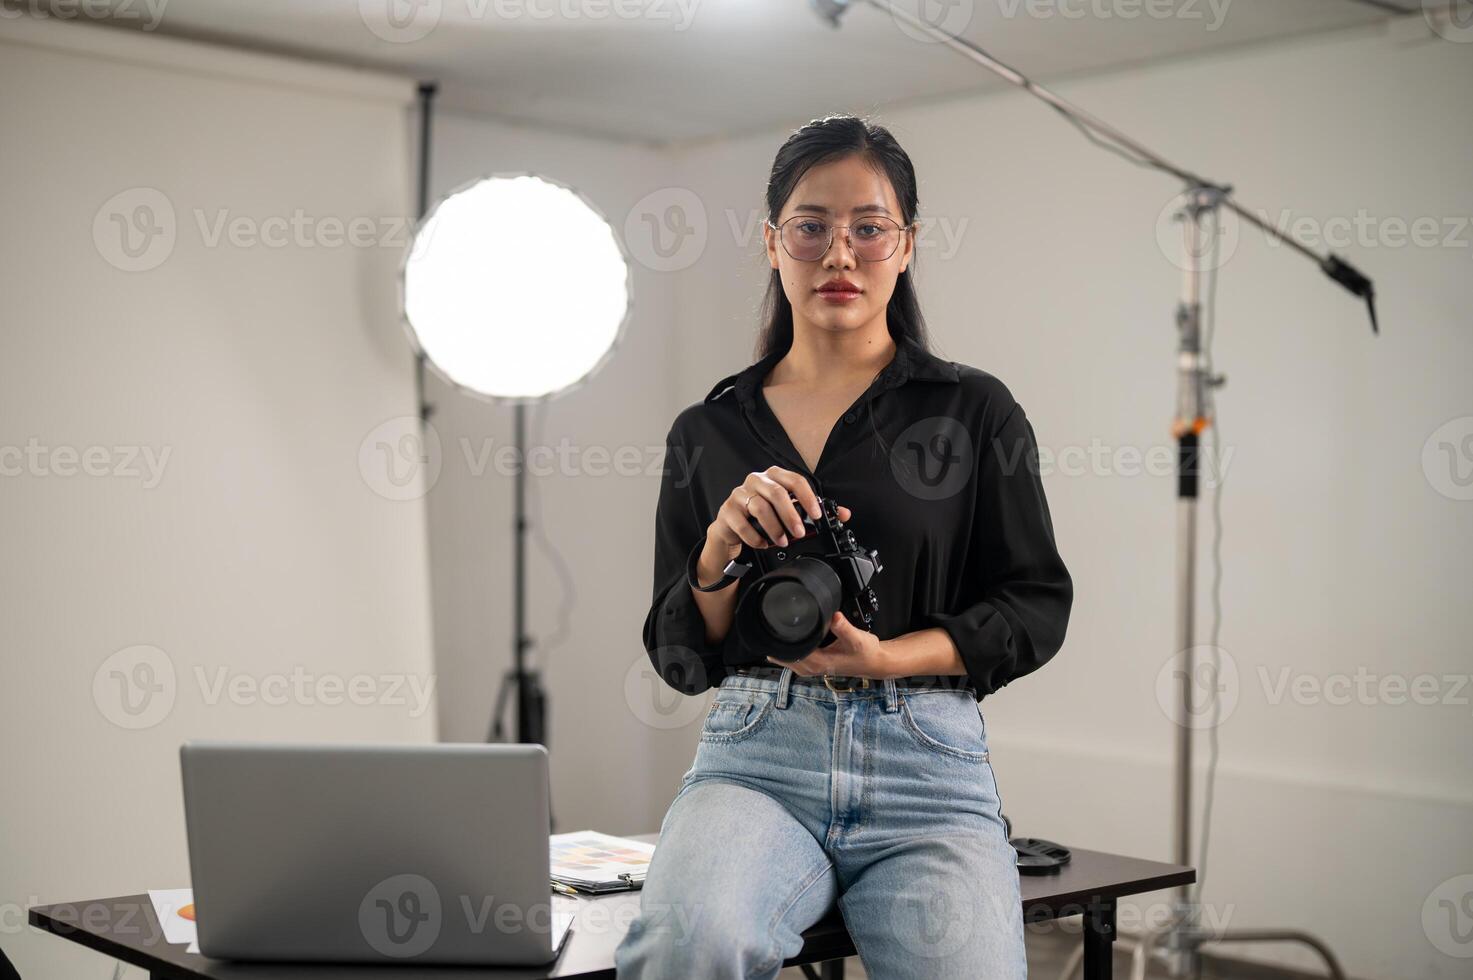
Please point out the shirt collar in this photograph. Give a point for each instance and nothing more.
(909, 363)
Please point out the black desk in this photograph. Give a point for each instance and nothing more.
(126, 929)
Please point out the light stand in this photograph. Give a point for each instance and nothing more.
(1183, 936)
(475, 288)
(531, 701)
(427, 92)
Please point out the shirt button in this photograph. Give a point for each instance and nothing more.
(848, 416)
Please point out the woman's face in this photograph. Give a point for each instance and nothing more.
(843, 192)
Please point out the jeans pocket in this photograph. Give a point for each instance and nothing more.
(948, 722)
(735, 717)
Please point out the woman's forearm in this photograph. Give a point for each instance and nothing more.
(927, 651)
(719, 607)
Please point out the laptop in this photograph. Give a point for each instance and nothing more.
(403, 854)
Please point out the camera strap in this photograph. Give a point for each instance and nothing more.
(734, 570)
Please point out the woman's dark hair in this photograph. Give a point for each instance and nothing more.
(823, 141)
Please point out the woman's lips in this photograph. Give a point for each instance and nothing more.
(839, 295)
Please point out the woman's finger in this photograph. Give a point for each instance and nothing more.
(776, 494)
(762, 511)
(735, 518)
(797, 485)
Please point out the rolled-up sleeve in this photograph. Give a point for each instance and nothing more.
(1018, 589)
(674, 629)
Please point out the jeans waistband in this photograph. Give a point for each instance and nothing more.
(947, 682)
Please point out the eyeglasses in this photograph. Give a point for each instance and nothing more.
(807, 239)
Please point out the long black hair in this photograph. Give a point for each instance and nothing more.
(823, 141)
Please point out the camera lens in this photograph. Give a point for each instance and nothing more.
(785, 614)
(790, 611)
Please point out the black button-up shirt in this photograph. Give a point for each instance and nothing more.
(939, 468)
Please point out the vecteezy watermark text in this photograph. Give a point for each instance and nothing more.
(402, 459)
(1211, 12)
(136, 230)
(137, 687)
(1201, 687)
(144, 463)
(147, 14)
(407, 21)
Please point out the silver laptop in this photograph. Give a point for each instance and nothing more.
(372, 853)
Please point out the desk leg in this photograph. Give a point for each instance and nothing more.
(1099, 938)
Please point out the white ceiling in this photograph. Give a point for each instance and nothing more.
(672, 71)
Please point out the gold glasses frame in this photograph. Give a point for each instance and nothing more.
(833, 228)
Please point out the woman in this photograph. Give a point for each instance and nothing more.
(858, 773)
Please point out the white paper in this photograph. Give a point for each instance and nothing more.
(590, 856)
(166, 905)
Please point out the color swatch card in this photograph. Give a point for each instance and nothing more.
(174, 908)
(589, 861)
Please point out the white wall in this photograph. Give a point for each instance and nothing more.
(1339, 555)
(261, 548)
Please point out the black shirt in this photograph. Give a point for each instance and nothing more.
(939, 467)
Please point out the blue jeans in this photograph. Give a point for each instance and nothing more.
(881, 798)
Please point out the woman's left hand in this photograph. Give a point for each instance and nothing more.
(854, 653)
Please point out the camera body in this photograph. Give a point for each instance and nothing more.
(785, 612)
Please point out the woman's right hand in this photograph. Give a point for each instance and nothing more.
(772, 497)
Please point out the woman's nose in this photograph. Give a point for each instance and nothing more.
(839, 252)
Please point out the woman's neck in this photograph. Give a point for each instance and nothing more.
(823, 358)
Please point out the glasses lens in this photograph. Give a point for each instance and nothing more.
(872, 239)
(806, 239)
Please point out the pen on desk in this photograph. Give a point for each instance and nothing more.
(558, 886)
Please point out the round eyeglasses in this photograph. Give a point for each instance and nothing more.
(807, 239)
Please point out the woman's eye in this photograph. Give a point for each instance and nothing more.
(812, 227)
(870, 230)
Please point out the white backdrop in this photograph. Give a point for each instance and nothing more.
(193, 546)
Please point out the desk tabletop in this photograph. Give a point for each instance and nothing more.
(127, 929)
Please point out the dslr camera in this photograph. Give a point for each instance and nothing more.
(785, 613)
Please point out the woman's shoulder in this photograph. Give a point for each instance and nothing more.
(716, 405)
(987, 395)
(698, 419)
